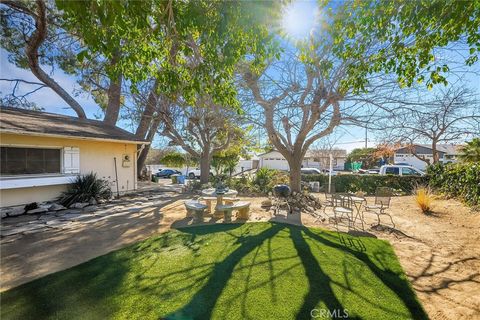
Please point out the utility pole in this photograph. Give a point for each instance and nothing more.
(366, 137)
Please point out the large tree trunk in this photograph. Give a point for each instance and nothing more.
(147, 114)
(114, 96)
(295, 175)
(147, 128)
(435, 152)
(205, 167)
(142, 157)
(33, 43)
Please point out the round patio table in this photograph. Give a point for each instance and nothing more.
(219, 195)
(357, 203)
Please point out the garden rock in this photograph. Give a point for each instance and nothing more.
(92, 201)
(38, 210)
(79, 205)
(266, 203)
(56, 207)
(89, 209)
(31, 206)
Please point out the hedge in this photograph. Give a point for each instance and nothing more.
(369, 183)
(459, 180)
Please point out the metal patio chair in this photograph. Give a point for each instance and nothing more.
(343, 207)
(383, 196)
(328, 203)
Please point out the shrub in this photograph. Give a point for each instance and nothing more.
(263, 178)
(460, 180)
(369, 183)
(84, 188)
(423, 198)
(262, 183)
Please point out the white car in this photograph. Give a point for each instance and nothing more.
(310, 171)
(195, 173)
(400, 170)
(327, 172)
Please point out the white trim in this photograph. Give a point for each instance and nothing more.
(26, 182)
(51, 135)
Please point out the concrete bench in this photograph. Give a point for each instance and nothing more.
(195, 209)
(243, 208)
(230, 200)
(208, 201)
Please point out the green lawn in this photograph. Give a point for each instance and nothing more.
(249, 271)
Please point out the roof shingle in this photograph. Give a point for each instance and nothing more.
(21, 121)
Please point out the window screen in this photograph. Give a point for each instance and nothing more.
(17, 161)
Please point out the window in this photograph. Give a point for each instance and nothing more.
(392, 170)
(409, 172)
(18, 161)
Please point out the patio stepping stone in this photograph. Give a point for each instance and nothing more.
(21, 229)
(37, 210)
(79, 205)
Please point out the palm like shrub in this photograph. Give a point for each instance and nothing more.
(471, 152)
(84, 188)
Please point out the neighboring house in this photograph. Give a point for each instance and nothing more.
(243, 165)
(410, 154)
(41, 153)
(313, 159)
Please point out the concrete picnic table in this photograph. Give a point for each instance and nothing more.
(211, 192)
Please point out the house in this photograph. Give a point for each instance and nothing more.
(41, 153)
(412, 155)
(313, 159)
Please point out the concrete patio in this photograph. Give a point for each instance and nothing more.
(35, 245)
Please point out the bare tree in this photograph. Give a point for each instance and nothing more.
(451, 115)
(301, 103)
(200, 130)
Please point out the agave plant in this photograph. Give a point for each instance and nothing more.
(84, 188)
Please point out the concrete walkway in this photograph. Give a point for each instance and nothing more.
(33, 246)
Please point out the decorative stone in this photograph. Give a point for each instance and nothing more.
(3, 214)
(266, 203)
(79, 205)
(69, 211)
(90, 209)
(14, 212)
(92, 201)
(56, 207)
(31, 206)
(38, 210)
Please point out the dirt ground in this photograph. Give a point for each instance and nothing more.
(440, 252)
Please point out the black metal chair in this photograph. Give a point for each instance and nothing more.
(383, 196)
(343, 207)
(328, 198)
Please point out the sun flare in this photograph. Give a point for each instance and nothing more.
(299, 19)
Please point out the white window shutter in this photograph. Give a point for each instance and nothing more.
(71, 160)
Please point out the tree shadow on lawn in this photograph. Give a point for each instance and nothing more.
(394, 281)
(54, 295)
(203, 302)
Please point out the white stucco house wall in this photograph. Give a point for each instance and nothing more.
(318, 159)
(446, 152)
(41, 153)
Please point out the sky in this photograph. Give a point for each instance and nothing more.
(299, 19)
